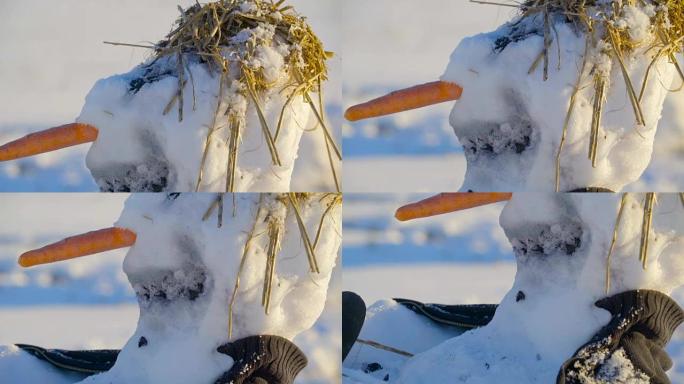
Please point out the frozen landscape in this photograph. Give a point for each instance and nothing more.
(89, 301)
(460, 258)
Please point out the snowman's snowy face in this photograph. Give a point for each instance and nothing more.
(498, 144)
(220, 106)
(550, 233)
(556, 286)
(184, 267)
(208, 269)
(528, 124)
(511, 121)
(183, 283)
(144, 147)
(570, 235)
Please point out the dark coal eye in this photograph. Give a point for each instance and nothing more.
(153, 177)
(564, 240)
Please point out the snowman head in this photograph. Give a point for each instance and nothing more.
(554, 101)
(210, 270)
(562, 244)
(220, 106)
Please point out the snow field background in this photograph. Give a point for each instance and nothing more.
(450, 259)
(55, 55)
(88, 302)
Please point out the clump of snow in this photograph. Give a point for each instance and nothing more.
(618, 369)
(184, 270)
(637, 22)
(17, 364)
(500, 91)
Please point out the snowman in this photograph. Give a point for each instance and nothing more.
(567, 96)
(220, 106)
(590, 301)
(224, 283)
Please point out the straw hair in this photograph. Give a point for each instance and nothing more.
(206, 32)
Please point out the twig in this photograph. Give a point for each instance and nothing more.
(130, 45)
(494, 3)
(377, 345)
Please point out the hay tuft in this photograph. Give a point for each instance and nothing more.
(225, 35)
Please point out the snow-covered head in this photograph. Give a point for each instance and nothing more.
(518, 98)
(184, 268)
(220, 106)
(561, 243)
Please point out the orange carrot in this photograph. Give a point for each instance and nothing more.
(448, 202)
(80, 245)
(403, 100)
(49, 140)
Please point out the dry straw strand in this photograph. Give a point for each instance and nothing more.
(245, 250)
(310, 252)
(274, 234)
(623, 202)
(649, 202)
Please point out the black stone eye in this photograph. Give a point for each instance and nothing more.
(153, 178)
(520, 296)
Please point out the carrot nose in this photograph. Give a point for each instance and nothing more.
(446, 203)
(49, 140)
(406, 99)
(81, 245)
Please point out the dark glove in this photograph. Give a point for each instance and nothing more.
(642, 324)
(262, 359)
(353, 317)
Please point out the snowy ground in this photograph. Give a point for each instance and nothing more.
(462, 258)
(88, 302)
(411, 45)
(52, 57)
